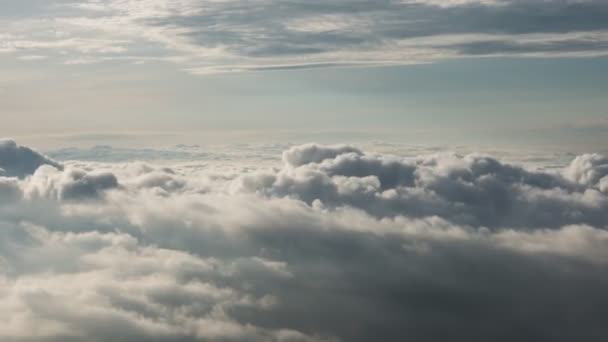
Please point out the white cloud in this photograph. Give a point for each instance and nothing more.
(409, 248)
(33, 58)
(589, 170)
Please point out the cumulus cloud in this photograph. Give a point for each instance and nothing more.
(236, 35)
(472, 189)
(335, 244)
(589, 170)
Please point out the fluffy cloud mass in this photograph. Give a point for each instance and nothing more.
(332, 244)
(233, 35)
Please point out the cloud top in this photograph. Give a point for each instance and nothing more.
(472, 189)
(427, 248)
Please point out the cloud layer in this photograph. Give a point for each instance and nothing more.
(334, 244)
(233, 35)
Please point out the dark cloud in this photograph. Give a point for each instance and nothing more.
(21, 161)
(80, 184)
(445, 290)
(267, 29)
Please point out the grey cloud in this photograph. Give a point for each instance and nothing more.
(21, 161)
(28, 7)
(178, 153)
(313, 153)
(79, 184)
(452, 290)
(302, 66)
(124, 291)
(10, 190)
(114, 154)
(236, 35)
(511, 17)
(230, 264)
(264, 29)
(493, 47)
(161, 180)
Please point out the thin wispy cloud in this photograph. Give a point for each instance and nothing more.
(234, 35)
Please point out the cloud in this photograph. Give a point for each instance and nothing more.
(236, 35)
(472, 190)
(113, 154)
(578, 46)
(20, 161)
(426, 248)
(589, 170)
(312, 153)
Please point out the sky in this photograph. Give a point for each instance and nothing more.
(303, 170)
(409, 69)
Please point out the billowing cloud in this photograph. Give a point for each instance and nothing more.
(220, 36)
(423, 248)
(589, 170)
(474, 189)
